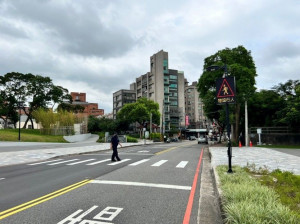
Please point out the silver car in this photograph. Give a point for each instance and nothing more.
(202, 140)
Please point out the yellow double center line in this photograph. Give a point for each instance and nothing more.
(169, 149)
(42, 199)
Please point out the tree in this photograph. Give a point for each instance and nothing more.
(71, 108)
(240, 65)
(140, 112)
(263, 107)
(8, 106)
(289, 114)
(36, 90)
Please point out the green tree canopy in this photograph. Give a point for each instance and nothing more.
(263, 107)
(140, 112)
(71, 107)
(289, 114)
(35, 90)
(240, 64)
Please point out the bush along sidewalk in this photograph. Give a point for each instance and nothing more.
(246, 200)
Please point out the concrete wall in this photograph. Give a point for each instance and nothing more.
(77, 138)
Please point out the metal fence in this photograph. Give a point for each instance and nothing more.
(66, 131)
(270, 130)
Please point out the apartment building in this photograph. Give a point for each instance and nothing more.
(121, 97)
(166, 87)
(194, 107)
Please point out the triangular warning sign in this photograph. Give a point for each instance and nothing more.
(225, 90)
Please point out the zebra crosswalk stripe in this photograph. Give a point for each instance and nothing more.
(33, 164)
(139, 162)
(66, 161)
(101, 161)
(182, 164)
(116, 163)
(160, 163)
(83, 161)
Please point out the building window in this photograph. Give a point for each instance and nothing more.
(173, 86)
(174, 77)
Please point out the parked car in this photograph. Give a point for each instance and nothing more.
(192, 138)
(202, 140)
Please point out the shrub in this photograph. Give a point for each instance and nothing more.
(155, 136)
(245, 200)
(131, 139)
(134, 135)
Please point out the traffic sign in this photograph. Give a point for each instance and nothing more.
(225, 90)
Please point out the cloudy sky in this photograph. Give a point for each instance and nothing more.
(101, 46)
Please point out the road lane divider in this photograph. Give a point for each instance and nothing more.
(42, 199)
(170, 149)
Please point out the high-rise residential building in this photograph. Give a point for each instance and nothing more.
(194, 107)
(166, 87)
(121, 97)
(162, 85)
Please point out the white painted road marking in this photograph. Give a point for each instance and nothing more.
(143, 151)
(83, 161)
(159, 163)
(139, 162)
(178, 187)
(2, 178)
(79, 218)
(32, 164)
(182, 164)
(107, 214)
(101, 161)
(116, 163)
(66, 161)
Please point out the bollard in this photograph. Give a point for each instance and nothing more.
(240, 144)
(250, 144)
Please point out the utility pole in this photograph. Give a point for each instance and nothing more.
(246, 124)
(150, 123)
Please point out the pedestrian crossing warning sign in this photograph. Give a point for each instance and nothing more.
(225, 90)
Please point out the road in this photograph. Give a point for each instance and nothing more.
(152, 184)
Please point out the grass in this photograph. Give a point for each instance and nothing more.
(285, 184)
(246, 200)
(28, 135)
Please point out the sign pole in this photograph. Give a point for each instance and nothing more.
(229, 152)
(226, 94)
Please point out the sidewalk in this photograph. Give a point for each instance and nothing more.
(261, 157)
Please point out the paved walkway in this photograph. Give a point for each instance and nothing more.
(261, 157)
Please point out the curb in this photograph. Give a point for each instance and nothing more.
(216, 183)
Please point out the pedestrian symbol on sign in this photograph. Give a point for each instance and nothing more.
(225, 90)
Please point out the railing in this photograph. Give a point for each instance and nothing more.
(67, 130)
(270, 130)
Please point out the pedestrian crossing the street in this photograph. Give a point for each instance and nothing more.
(93, 161)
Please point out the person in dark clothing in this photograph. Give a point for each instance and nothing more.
(114, 142)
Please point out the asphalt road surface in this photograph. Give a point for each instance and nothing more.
(151, 184)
